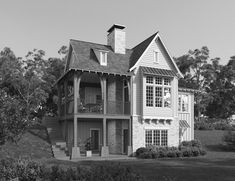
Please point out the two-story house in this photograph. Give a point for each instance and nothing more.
(122, 99)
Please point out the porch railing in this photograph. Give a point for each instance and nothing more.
(113, 107)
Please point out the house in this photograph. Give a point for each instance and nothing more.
(120, 99)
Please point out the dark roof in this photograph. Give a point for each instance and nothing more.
(139, 49)
(87, 60)
(184, 124)
(157, 71)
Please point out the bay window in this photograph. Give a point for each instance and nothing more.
(158, 91)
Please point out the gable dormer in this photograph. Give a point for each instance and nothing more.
(117, 39)
(101, 55)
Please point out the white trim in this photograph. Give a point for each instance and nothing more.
(98, 129)
(156, 128)
(103, 53)
(156, 117)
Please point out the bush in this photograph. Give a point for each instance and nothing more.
(26, 170)
(141, 150)
(185, 149)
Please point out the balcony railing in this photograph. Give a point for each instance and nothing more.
(113, 107)
(84, 107)
(118, 107)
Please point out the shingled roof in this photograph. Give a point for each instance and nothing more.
(87, 60)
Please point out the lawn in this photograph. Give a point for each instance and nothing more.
(218, 164)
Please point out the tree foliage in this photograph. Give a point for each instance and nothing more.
(26, 90)
(214, 82)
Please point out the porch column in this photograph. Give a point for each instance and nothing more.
(129, 150)
(76, 83)
(104, 149)
(65, 97)
(130, 88)
(59, 100)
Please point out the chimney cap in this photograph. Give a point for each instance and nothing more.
(116, 26)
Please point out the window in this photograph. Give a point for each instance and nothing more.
(103, 58)
(149, 96)
(156, 137)
(159, 95)
(155, 56)
(149, 80)
(183, 103)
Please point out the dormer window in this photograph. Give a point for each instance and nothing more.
(155, 57)
(103, 58)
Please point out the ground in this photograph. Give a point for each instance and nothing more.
(218, 164)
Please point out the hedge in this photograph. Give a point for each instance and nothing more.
(186, 149)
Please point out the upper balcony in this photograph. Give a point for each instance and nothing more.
(90, 97)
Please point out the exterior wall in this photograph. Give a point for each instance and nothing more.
(115, 135)
(141, 112)
(147, 59)
(84, 127)
(91, 93)
(189, 117)
(140, 126)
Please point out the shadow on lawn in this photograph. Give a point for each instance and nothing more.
(40, 133)
(219, 148)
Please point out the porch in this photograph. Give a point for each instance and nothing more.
(87, 104)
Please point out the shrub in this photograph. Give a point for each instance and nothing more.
(171, 153)
(195, 151)
(26, 170)
(141, 150)
(187, 151)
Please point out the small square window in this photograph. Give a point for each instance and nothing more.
(158, 80)
(149, 80)
(167, 81)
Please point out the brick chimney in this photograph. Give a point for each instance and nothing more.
(117, 38)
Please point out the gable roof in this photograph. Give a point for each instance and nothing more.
(86, 57)
(87, 60)
(139, 49)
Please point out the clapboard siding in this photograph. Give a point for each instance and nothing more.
(147, 59)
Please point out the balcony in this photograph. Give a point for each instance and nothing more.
(84, 107)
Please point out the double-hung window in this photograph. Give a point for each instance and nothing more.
(156, 137)
(183, 104)
(158, 91)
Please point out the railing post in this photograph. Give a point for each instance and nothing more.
(59, 100)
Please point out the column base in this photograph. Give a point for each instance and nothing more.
(104, 151)
(129, 151)
(75, 152)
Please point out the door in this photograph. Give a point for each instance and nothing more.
(95, 137)
(125, 140)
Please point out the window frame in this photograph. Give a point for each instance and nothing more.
(155, 136)
(103, 56)
(155, 56)
(180, 103)
(156, 85)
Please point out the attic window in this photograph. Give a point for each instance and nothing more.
(155, 57)
(103, 58)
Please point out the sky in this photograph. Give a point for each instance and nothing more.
(183, 24)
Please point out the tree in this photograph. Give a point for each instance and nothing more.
(194, 66)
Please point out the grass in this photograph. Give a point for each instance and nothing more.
(218, 164)
(34, 144)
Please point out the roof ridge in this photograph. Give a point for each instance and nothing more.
(95, 43)
(150, 37)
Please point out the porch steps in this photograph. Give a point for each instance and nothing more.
(60, 151)
(58, 145)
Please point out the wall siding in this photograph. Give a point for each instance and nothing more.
(147, 59)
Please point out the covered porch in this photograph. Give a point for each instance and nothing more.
(96, 106)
